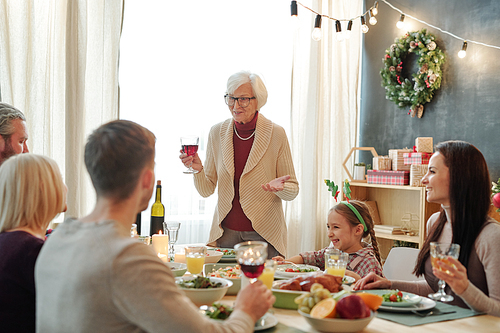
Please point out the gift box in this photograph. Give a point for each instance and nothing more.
(416, 158)
(417, 172)
(424, 145)
(388, 177)
(397, 158)
(382, 163)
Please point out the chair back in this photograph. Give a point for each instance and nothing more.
(400, 263)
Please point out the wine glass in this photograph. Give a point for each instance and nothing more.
(172, 230)
(190, 147)
(441, 252)
(252, 257)
(195, 258)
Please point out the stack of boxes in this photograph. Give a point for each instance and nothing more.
(402, 166)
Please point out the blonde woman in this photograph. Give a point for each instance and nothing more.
(32, 193)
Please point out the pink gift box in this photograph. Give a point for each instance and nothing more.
(388, 177)
(416, 158)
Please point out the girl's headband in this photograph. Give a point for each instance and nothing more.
(347, 192)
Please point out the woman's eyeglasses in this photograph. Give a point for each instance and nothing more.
(242, 101)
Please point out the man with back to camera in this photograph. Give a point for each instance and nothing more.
(91, 276)
(13, 132)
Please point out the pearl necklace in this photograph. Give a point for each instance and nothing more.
(234, 127)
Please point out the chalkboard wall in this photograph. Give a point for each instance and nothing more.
(467, 107)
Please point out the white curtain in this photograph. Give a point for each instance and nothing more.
(59, 65)
(325, 88)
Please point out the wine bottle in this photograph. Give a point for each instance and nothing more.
(157, 212)
(138, 223)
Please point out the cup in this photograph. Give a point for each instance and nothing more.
(267, 276)
(336, 262)
(195, 258)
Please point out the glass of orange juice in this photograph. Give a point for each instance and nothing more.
(267, 276)
(336, 262)
(195, 258)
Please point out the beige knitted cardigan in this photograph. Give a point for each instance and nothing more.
(269, 158)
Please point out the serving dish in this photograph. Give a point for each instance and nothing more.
(281, 270)
(409, 299)
(338, 324)
(179, 269)
(205, 296)
(210, 268)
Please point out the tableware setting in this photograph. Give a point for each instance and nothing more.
(287, 271)
(409, 302)
(204, 296)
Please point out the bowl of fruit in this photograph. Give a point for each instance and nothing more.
(339, 312)
(203, 290)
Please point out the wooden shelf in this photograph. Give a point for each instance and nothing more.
(411, 239)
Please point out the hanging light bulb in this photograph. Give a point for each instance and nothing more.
(316, 34)
(348, 32)
(338, 28)
(375, 8)
(364, 27)
(462, 53)
(401, 22)
(293, 9)
(373, 19)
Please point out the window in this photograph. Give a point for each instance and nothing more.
(175, 58)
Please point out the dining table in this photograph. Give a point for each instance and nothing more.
(290, 321)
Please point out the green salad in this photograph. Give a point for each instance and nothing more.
(393, 296)
(221, 311)
(199, 282)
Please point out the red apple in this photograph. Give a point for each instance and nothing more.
(352, 307)
(496, 200)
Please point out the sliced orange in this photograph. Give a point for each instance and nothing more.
(324, 309)
(373, 301)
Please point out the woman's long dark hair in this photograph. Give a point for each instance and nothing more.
(469, 199)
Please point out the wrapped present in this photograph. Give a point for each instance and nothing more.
(397, 158)
(417, 172)
(424, 145)
(382, 163)
(416, 158)
(388, 177)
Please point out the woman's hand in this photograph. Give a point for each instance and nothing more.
(193, 161)
(372, 281)
(276, 185)
(457, 276)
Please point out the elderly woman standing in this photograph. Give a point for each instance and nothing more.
(249, 159)
(32, 193)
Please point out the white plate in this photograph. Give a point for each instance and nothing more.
(425, 304)
(409, 299)
(280, 271)
(267, 321)
(348, 280)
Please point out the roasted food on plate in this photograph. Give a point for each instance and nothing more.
(303, 283)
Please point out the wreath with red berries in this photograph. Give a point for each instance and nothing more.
(420, 90)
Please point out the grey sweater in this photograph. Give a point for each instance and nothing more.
(92, 277)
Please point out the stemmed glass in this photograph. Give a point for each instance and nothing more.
(195, 258)
(252, 257)
(190, 147)
(172, 230)
(441, 252)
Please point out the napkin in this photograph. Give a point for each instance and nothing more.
(410, 319)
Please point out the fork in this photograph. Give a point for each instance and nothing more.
(430, 313)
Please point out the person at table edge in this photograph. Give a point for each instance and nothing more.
(249, 158)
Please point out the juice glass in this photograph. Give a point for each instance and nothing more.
(267, 276)
(195, 258)
(336, 262)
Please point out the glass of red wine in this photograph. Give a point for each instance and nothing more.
(190, 147)
(251, 257)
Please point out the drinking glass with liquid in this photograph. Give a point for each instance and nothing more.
(336, 262)
(195, 258)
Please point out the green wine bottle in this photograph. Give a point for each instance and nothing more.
(157, 213)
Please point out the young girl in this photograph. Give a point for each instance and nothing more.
(346, 231)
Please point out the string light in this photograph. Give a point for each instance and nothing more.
(293, 9)
(364, 27)
(338, 35)
(373, 19)
(317, 34)
(348, 32)
(462, 53)
(401, 22)
(375, 8)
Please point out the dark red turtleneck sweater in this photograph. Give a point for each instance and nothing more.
(236, 218)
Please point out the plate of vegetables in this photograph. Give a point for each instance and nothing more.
(289, 271)
(396, 298)
(228, 255)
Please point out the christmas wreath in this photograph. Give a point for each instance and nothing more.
(426, 80)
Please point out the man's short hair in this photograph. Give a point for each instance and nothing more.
(115, 155)
(7, 114)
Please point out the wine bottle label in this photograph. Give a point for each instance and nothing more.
(156, 225)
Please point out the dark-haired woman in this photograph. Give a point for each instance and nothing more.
(458, 179)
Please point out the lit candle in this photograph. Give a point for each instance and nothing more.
(160, 245)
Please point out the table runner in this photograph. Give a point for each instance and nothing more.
(411, 319)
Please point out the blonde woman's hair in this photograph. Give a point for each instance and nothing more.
(31, 192)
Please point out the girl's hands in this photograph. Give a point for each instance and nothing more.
(193, 161)
(276, 185)
(372, 281)
(457, 276)
(279, 260)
